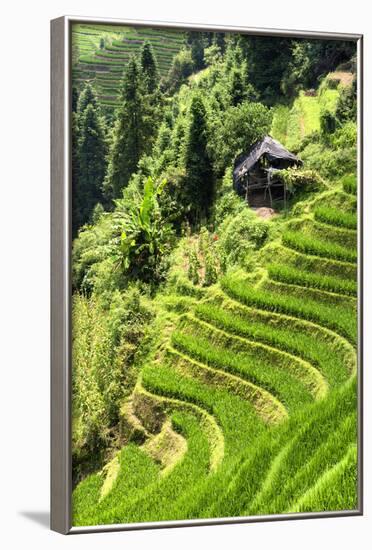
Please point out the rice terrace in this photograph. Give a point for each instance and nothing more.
(214, 274)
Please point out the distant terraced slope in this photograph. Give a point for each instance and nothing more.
(248, 405)
(293, 123)
(105, 66)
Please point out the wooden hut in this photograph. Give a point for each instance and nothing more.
(256, 171)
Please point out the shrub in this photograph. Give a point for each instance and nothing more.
(298, 178)
(203, 259)
(105, 337)
(327, 122)
(181, 69)
(347, 104)
(98, 210)
(212, 55)
(330, 162)
(349, 184)
(174, 206)
(90, 248)
(346, 136)
(240, 236)
(234, 130)
(211, 270)
(194, 266)
(227, 202)
(333, 83)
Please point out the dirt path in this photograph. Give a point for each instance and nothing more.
(265, 213)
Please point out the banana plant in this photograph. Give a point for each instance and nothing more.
(145, 235)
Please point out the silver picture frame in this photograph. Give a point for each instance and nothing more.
(61, 361)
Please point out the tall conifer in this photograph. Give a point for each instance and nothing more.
(132, 133)
(76, 216)
(149, 68)
(199, 175)
(87, 97)
(92, 158)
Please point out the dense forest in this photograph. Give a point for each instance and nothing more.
(214, 362)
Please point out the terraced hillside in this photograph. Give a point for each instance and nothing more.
(247, 406)
(100, 55)
(292, 123)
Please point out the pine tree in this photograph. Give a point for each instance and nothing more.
(133, 133)
(74, 99)
(149, 68)
(219, 40)
(87, 97)
(92, 158)
(199, 175)
(182, 67)
(267, 61)
(237, 87)
(195, 41)
(197, 53)
(76, 215)
(129, 141)
(152, 95)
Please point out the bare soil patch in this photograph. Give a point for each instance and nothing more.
(265, 213)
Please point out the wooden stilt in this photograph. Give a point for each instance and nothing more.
(285, 197)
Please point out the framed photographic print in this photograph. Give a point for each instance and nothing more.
(206, 275)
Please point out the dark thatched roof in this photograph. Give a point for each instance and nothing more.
(267, 146)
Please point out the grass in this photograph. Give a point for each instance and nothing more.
(349, 184)
(109, 55)
(335, 234)
(335, 217)
(335, 490)
(334, 317)
(276, 380)
(317, 229)
(336, 199)
(120, 42)
(318, 247)
(328, 99)
(280, 123)
(286, 274)
(280, 490)
(223, 349)
(137, 471)
(313, 295)
(315, 345)
(326, 454)
(231, 411)
(314, 264)
(246, 403)
(267, 407)
(152, 500)
(293, 454)
(291, 124)
(265, 468)
(303, 119)
(91, 60)
(310, 107)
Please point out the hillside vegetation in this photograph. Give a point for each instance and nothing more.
(101, 53)
(214, 352)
